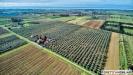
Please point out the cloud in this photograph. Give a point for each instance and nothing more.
(6, 4)
(28, 1)
(64, 3)
(72, 1)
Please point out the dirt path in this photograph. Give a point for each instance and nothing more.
(5, 35)
(113, 53)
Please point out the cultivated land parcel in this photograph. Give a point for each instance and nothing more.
(80, 44)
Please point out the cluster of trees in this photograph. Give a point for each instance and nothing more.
(117, 27)
(69, 14)
(17, 21)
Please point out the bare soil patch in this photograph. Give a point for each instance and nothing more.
(96, 24)
(113, 53)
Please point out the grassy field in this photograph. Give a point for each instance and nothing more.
(126, 51)
(128, 30)
(4, 21)
(123, 58)
(128, 42)
(79, 20)
(120, 18)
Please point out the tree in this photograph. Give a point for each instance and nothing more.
(16, 19)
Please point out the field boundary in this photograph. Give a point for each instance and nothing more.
(5, 35)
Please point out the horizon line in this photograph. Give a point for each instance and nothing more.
(25, 7)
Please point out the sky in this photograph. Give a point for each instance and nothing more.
(118, 4)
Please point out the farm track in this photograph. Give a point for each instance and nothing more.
(5, 35)
(113, 53)
(32, 61)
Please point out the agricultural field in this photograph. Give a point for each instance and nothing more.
(95, 24)
(4, 21)
(120, 18)
(70, 19)
(111, 26)
(128, 31)
(60, 18)
(9, 43)
(84, 53)
(48, 28)
(113, 53)
(66, 43)
(79, 20)
(126, 51)
(30, 60)
(119, 27)
(3, 31)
